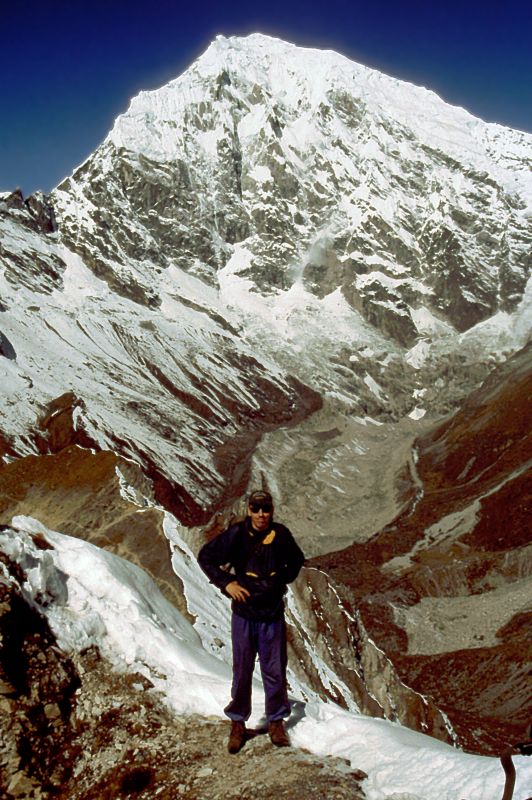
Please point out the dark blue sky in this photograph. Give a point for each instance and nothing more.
(69, 67)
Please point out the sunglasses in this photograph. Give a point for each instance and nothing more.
(256, 507)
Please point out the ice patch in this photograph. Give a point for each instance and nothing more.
(374, 387)
(417, 355)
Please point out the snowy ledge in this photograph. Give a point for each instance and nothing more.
(91, 597)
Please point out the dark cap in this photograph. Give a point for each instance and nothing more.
(260, 497)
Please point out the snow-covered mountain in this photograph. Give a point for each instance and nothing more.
(274, 211)
(298, 168)
(179, 391)
(278, 269)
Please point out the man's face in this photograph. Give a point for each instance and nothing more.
(261, 515)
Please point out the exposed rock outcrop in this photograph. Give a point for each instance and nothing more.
(326, 630)
(37, 688)
(35, 212)
(30, 256)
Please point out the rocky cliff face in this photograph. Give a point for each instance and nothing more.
(332, 652)
(444, 590)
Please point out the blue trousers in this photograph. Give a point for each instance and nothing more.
(268, 640)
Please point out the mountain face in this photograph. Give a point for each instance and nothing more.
(295, 167)
(282, 269)
(180, 394)
(278, 229)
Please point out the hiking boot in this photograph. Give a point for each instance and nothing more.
(278, 734)
(237, 737)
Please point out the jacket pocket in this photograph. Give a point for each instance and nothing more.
(265, 592)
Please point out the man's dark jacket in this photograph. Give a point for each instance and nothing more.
(261, 561)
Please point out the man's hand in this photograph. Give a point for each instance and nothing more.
(237, 592)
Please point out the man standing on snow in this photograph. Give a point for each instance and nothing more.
(251, 562)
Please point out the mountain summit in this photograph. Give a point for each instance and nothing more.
(292, 167)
